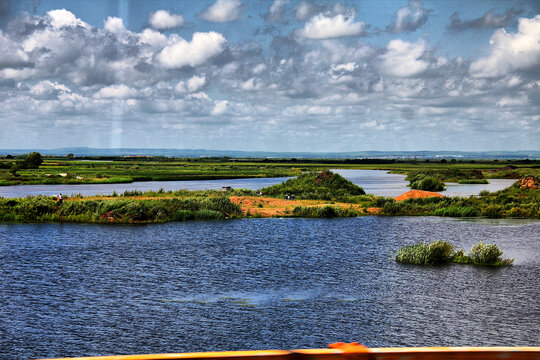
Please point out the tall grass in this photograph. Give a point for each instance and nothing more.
(117, 210)
(442, 252)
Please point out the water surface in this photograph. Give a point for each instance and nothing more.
(377, 182)
(74, 290)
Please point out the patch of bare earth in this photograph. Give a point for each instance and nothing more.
(417, 194)
(271, 207)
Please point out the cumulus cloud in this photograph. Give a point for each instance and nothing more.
(511, 52)
(67, 73)
(116, 92)
(322, 26)
(200, 49)
(222, 11)
(47, 89)
(402, 58)
(303, 10)
(11, 54)
(251, 84)
(513, 101)
(64, 18)
(193, 84)
(220, 107)
(276, 11)
(115, 25)
(163, 20)
(489, 20)
(409, 18)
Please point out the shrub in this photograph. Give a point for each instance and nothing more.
(473, 181)
(438, 252)
(428, 184)
(487, 254)
(184, 215)
(442, 252)
(208, 215)
(313, 185)
(458, 211)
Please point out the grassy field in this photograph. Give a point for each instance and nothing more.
(321, 194)
(123, 170)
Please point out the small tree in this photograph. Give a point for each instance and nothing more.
(70, 156)
(33, 160)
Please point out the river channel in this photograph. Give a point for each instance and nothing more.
(81, 290)
(377, 182)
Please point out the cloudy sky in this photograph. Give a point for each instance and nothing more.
(275, 75)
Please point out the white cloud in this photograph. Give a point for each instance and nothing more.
(202, 47)
(276, 11)
(61, 18)
(48, 89)
(11, 53)
(201, 95)
(303, 10)
(222, 11)
(409, 18)
(324, 27)
(402, 58)
(115, 25)
(511, 52)
(163, 20)
(319, 110)
(116, 92)
(252, 84)
(153, 38)
(344, 67)
(259, 68)
(195, 83)
(220, 107)
(513, 101)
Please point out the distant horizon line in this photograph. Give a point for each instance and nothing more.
(265, 151)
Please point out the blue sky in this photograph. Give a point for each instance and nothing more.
(274, 75)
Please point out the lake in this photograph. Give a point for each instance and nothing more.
(377, 182)
(81, 290)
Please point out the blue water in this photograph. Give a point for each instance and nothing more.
(81, 290)
(377, 182)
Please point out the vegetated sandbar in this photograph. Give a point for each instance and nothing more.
(311, 194)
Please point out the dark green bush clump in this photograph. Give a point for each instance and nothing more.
(117, 210)
(428, 183)
(442, 252)
(473, 181)
(319, 186)
(438, 252)
(458, 211)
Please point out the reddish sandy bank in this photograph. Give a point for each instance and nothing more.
(417, 194)
(269, 207)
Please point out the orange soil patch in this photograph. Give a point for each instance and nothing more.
(529, 182)
(417, 194)
(268, 207)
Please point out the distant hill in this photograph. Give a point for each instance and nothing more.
(85, 151)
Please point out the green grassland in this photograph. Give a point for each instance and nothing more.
(181, 205)
(62, 170)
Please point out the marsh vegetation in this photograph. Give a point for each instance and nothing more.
(442, 252)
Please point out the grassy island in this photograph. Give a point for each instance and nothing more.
(312, 194)
(442, 252)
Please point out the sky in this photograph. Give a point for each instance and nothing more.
(271, 75)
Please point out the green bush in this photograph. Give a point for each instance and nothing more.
(314, 185)
(428, 184)
(438, 252)
(208, 215)
(473, 181)
(458, 211)
(487, 254)
(442, 252)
